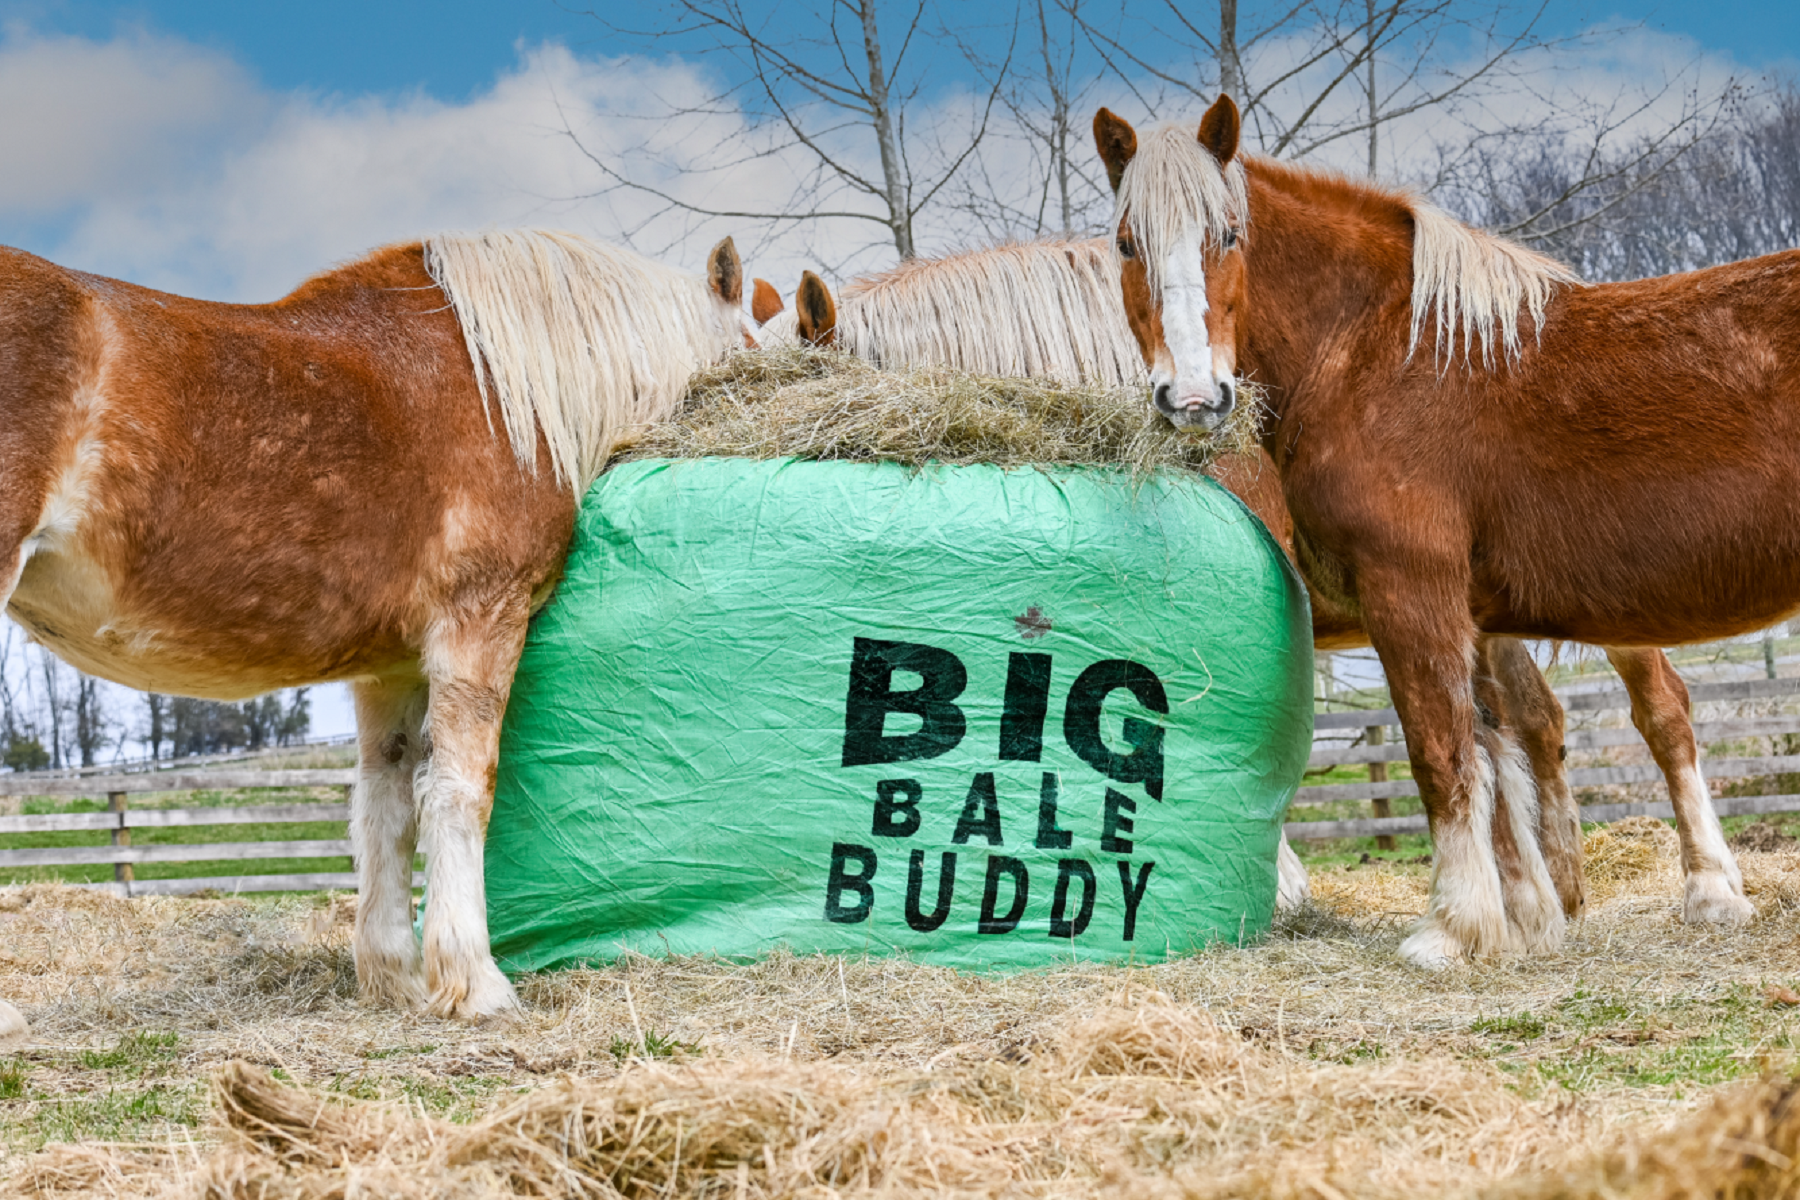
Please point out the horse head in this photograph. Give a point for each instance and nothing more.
(1180, 231)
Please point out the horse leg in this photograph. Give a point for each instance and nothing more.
(1535, 717)
(383, 832)
(469, 661)
(1421, 629)
(1714, 893)
(1292, 889)
(1534, 913)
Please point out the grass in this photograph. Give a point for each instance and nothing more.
(653, 1045)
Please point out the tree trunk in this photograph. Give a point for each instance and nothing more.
(899, 219)
(1374, 111)
(1231, 68)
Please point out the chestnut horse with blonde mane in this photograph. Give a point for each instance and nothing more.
(1051, 308)
(372, 480)
(1472, 442)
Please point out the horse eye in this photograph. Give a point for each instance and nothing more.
(1126, 249)
(1230, 238)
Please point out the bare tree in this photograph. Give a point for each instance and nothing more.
(1651, 206)
(1047, 109)
(825, 99)
(92, 721)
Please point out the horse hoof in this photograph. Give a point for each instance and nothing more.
(1431, 946)
(1713, 899)
(12, 1022)
(390, 981)
(484, 993)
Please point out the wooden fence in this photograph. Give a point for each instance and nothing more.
(1381, 744)
(1378, 730)
(120, 819)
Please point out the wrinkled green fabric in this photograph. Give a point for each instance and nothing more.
(773, 701)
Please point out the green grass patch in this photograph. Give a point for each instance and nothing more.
(655, 1045)
(1521, 1027)
(138, 1051)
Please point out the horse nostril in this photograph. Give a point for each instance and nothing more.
(1227, 395)
(1161, 396)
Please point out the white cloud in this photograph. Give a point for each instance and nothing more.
(86, 118)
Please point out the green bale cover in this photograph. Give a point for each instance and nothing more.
(977, 717)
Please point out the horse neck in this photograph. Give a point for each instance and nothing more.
(1323, 255)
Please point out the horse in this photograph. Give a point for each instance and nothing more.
(373, 479)
(1470, 443)
(1053, 302)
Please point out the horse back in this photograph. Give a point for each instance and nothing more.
(301, 482)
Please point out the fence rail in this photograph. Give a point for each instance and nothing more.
(1380, 745)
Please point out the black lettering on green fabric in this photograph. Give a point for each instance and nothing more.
(896, 808)
(998, 865)
(1134, 894)
(1049, 837)
(980, 814)
(1060, 926)
(1114, 822)
(1027, 700)
(841, 881)
(871, 698)
(915, 887)
(1081, 723)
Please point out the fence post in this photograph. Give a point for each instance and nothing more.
(1377, 735)
(121, 836)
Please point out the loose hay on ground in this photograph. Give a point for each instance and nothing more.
(1314, 1061)
(821, 404)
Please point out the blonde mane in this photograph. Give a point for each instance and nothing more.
(576, 339)
(1465, 280)
(1031, 309)
(1174, 189)
(1471, 281)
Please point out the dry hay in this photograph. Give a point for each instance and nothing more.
(824, 405)
(1633, 855)
(1314, 1064)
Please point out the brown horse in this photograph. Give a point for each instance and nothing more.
(372, 480)
(1471, 442)
(1065, 291)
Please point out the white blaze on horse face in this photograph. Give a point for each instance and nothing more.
(1191, 384)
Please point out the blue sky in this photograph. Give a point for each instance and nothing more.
(451, 48)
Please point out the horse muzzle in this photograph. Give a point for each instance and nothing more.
(1203, 412)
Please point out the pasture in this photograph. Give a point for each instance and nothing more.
(1311, 1064)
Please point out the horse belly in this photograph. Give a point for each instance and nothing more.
(68, 603)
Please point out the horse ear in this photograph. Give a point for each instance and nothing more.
(765, 301)
(816, 311)
(1117, 141)
(725, 273)
(1219, 130)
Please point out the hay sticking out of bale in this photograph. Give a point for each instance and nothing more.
(824, 405)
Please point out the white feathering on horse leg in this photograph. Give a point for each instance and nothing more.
(383, 833)
(1534, 911)
(1466, 914)
(1714, 891)
(459, 969)
(1292, 888)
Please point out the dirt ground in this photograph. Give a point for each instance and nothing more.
(1310, 1064)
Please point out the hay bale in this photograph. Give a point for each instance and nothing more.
(826, 406)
